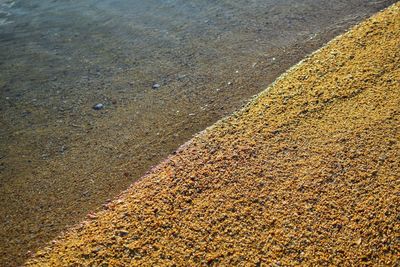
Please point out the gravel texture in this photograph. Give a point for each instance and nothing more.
(307, 173)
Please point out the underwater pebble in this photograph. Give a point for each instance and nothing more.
(98, 106)
(156, 86)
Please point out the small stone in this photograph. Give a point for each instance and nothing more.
(63, 149)
(275, 132)
(97, 249)
(230, 83)
(156, 86)
(119, 201)
(98, 106)
(92, 216)
(123, 233)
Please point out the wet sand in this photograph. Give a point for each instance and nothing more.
(60, 159)
(306, 174)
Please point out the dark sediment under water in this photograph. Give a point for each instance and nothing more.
(60, 158)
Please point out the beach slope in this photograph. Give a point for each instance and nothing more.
(307, 173)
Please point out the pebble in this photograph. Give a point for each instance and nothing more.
(63, 149)
(98, 106)
(123, 233)
(97, 249)
(156, 86)
(92, 216)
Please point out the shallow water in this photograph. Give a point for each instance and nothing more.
(60, 159)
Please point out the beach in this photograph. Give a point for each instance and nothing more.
(81, 115)
(306, 173)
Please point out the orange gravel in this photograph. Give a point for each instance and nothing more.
(307, 173)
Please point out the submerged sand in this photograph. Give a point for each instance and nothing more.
(307, 173)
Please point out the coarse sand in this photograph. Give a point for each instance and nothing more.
(306, 174)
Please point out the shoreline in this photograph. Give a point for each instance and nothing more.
(60, 159)
(225, 130)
